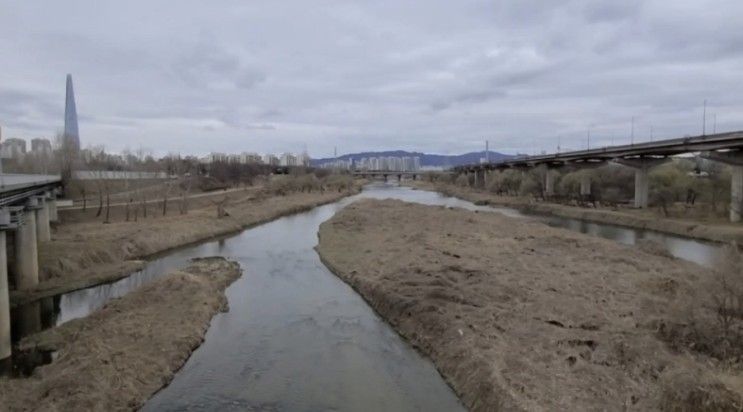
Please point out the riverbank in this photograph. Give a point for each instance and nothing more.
(517, 315)
(84, 254)
(119, 356)
(639, 219)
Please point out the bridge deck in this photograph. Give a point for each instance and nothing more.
(15, 182)
(660, 148)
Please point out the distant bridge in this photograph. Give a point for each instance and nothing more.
(27, 205)
(386, 173)
(722, 147)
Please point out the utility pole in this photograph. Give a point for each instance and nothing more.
(704, 118)
(487, 151)
(558, 144)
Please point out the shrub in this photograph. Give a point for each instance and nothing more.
(338, 182)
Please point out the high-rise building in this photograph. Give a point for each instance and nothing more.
(41, 147)
(13, 148)
(71, 134)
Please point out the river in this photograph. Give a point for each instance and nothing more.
(296, 337)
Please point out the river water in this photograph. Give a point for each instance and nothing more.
(296, 337)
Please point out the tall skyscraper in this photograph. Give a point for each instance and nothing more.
(71, 135)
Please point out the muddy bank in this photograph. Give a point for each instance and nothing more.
(117, 357)
(521, 316)
(640, 219)
(84, 254)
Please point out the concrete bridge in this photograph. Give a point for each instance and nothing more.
(721, 147)
(386, 173)
(27, 206)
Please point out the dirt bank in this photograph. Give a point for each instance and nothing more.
(120, 355)
(640, 219)
(521, 316)
(83, 254)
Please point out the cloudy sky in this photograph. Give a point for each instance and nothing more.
(435, 76)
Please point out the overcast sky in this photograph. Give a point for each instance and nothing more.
(434, 76)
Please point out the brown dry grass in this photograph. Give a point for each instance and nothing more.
(120, 355)
(519, 315)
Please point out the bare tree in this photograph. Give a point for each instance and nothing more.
(165, 198)
(108, 204)
(221, 211)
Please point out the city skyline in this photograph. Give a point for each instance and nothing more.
(372, 76)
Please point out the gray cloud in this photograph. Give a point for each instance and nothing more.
(440, 77)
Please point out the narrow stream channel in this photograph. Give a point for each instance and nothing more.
(296, 337)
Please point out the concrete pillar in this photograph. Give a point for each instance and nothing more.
(641, 188)
(4, 300)
(26, 253)
(735, 160)
(53, 214)
(642, 183)
(585, 185)
(549, 183)
(736, 195)
(43, 230)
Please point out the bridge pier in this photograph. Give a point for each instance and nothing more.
(735, 161)
(399, 178)
(43, 230)
(26, 252)
(5, 345)
(736, 194)
(585, 175)
(53, 214)
(642, 166)
(549, 183)
(585, 185)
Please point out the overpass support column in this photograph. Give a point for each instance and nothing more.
(549, 183)
(4, 300)
(642, 187)
(736, 194)
(53, 214)
(642, 167)
(43, 230)
(26, 252)
(735, 160)
(585, 185)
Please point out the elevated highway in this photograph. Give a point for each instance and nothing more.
(721, 147)
(27, 206)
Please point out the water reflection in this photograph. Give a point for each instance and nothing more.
(289, 316)
(82, 302)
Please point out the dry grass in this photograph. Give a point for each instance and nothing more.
(710, 321)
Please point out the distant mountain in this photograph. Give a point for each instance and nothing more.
(426, 159)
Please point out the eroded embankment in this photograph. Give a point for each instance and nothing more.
(86, 254)
(120, 355)
(521, 316)
(645, 220)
